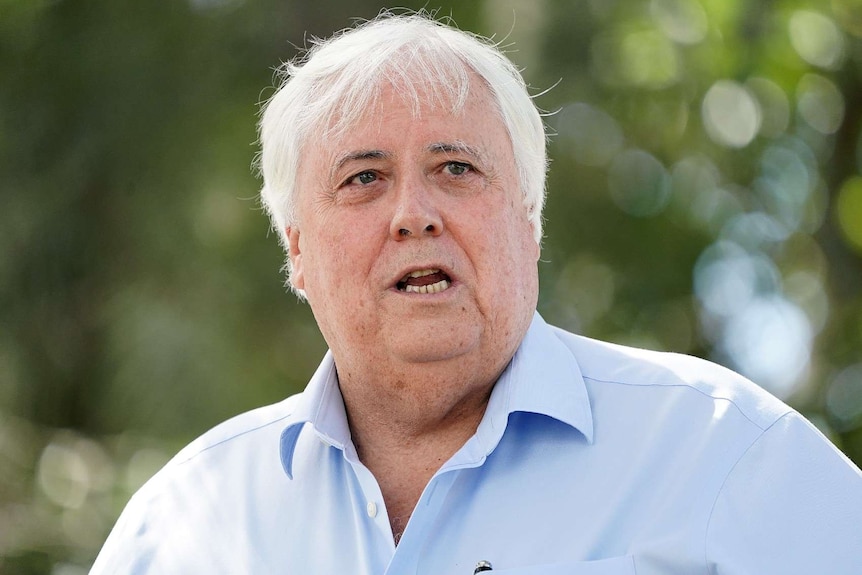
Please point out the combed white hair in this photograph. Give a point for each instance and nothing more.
(328, 89)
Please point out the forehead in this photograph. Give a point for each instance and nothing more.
(399, 116)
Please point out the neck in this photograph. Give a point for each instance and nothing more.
(400, 406)
(405, 424)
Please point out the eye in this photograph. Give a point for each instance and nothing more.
(458, 168)
(362, 178)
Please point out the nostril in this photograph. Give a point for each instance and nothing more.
(403, 232)
(429, 228)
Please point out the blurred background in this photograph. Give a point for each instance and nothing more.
(705, 197)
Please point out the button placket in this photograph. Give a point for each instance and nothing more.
(371, 509)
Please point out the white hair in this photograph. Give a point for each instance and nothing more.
(328, 89)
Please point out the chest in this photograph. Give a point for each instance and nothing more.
(535, 507)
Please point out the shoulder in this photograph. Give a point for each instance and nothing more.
(238, 428)
(606, 365)
(245, 437)
(228, 465)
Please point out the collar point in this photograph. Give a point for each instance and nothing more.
(289, 438)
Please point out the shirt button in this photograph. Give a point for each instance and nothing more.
(371, 509)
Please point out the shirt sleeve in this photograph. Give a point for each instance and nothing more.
(791, 504)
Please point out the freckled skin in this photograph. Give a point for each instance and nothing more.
(415, 371)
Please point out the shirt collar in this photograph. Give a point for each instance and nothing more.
(322, 405)
(543, 377)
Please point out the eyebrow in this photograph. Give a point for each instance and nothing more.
(456, 147)
(359, 155)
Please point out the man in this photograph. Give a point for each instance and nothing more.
(450, 429)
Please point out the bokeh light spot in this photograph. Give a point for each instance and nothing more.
(769, 341)
(727, 278)
(754, 231)
(774, 106)
(639, 183)
(588, 287)
(731, 114)
(699, 196)
(63, 475)
(695, 174)
(806, 289)
(844, 398)
(643, 58)
(817, 39)
(650, 60)
(820, 103)
(683, 21)
(848, 208)
(787, 178)
(594, 136)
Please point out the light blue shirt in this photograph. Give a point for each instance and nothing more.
(591, 459)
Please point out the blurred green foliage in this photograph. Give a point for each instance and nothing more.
(705, 197)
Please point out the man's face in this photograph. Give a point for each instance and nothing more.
(413, 243)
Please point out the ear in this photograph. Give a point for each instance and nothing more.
(294, 253)
(536, 244)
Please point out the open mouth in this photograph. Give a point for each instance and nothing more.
(424, 281)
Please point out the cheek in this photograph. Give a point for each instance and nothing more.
(342, 259)
(521, 256)
(320, 264)
(519, 232)
(507, 247)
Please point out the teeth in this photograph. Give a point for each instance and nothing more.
(421, 273)
(432, 288)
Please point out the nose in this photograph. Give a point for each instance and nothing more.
(416, 214)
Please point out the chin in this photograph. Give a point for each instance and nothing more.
(434, 343)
